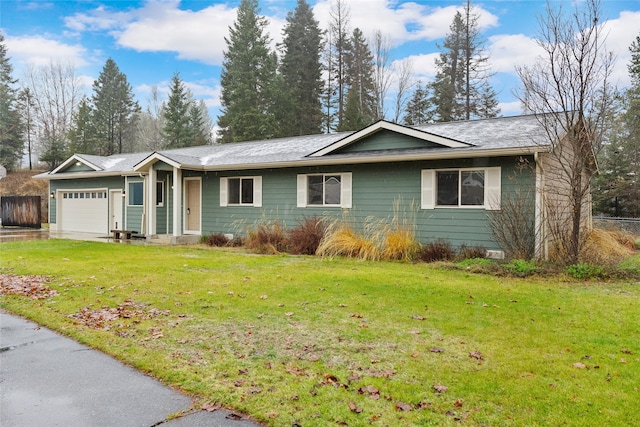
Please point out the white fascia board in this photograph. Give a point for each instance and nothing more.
(73, 159)
(81, 175)
(154, 157)
(393, 127)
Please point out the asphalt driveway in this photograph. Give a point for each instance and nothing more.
(49, 380)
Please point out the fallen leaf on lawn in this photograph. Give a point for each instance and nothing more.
(313, 358)
(625, 351)
(623, 360)
(296, 371)
(210, 407)
(289, 314)
(254, 390)
(476, 355)
(417, 317)
(439, 388)
(436, 350)
(354, 408)
(272, 415)
(357, 316)
(414, 332)
(579, 365)
(370, 391)
(243, 371)
(405, 407)
(458, 403)
(263, 297)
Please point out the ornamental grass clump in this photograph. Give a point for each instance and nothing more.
(267, 237)
(341, 240)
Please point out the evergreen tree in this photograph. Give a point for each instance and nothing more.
(301, 72)
(177, 115)
(461, 90)
(27, 111)
(339, 47)
(617, 188)
(113, 109)
(11, 142)
(248, 79)
(202, 123)
(80, 136)
(419, 109)
(361, 105)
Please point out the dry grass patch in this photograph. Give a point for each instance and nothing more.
(606, 247)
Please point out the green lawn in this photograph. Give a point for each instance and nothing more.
(335, 341)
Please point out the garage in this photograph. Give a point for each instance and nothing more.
(83, 211)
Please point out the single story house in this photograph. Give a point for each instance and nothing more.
(452, 175)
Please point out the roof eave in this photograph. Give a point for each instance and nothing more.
(325, 161)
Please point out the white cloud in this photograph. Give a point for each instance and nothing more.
(621, 32)
(424, 66)
(192, 35)
(40, 50)
(510, 108)
(403, 22)
(508, 50)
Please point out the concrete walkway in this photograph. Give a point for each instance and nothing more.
(50, 380)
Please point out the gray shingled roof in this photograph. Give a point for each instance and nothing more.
(518, 132)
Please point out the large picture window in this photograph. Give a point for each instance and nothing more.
(460, 188)
(473, 188)
(241, 191)
(325, 190)
(136, 193)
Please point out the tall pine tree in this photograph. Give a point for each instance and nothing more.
(419, 109)
(360, 109)
(11, 141)
(461, 90)
(617, 187)
(301, 72)
(114, 109)
(177, 116)
(248, 79)
(80, 136)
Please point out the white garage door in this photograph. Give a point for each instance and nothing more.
(83, 210)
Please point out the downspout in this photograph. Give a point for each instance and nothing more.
(177, 202)
(541, 248)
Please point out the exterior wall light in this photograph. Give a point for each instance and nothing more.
(52, 195)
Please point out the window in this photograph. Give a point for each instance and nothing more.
(136, 194)
(476, 188)
(242, 191)
(159, 193)
(325, 190)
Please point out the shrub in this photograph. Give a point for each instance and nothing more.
(584, 270)
(306, 237)
(440, 250)
(216, 240)
(521, 267)
(472, 252)
(267, 237)
(400, 244)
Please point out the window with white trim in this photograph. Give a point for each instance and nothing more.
(160, 193)
(136, 194)
(241, 191)
(331, 190)
(461, 188)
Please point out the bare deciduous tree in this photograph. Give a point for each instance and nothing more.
(56, 94)
(380, 47)
(568, 91)
(404, 83)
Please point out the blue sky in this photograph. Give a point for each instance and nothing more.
(150, 40)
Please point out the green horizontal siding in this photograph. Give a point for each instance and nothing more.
(386, 140)
(375, 189)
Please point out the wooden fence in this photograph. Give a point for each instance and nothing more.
(21, 211)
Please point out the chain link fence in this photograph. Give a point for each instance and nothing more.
(630, 225)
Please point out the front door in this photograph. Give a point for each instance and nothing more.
(192, 205)
(115, 210)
